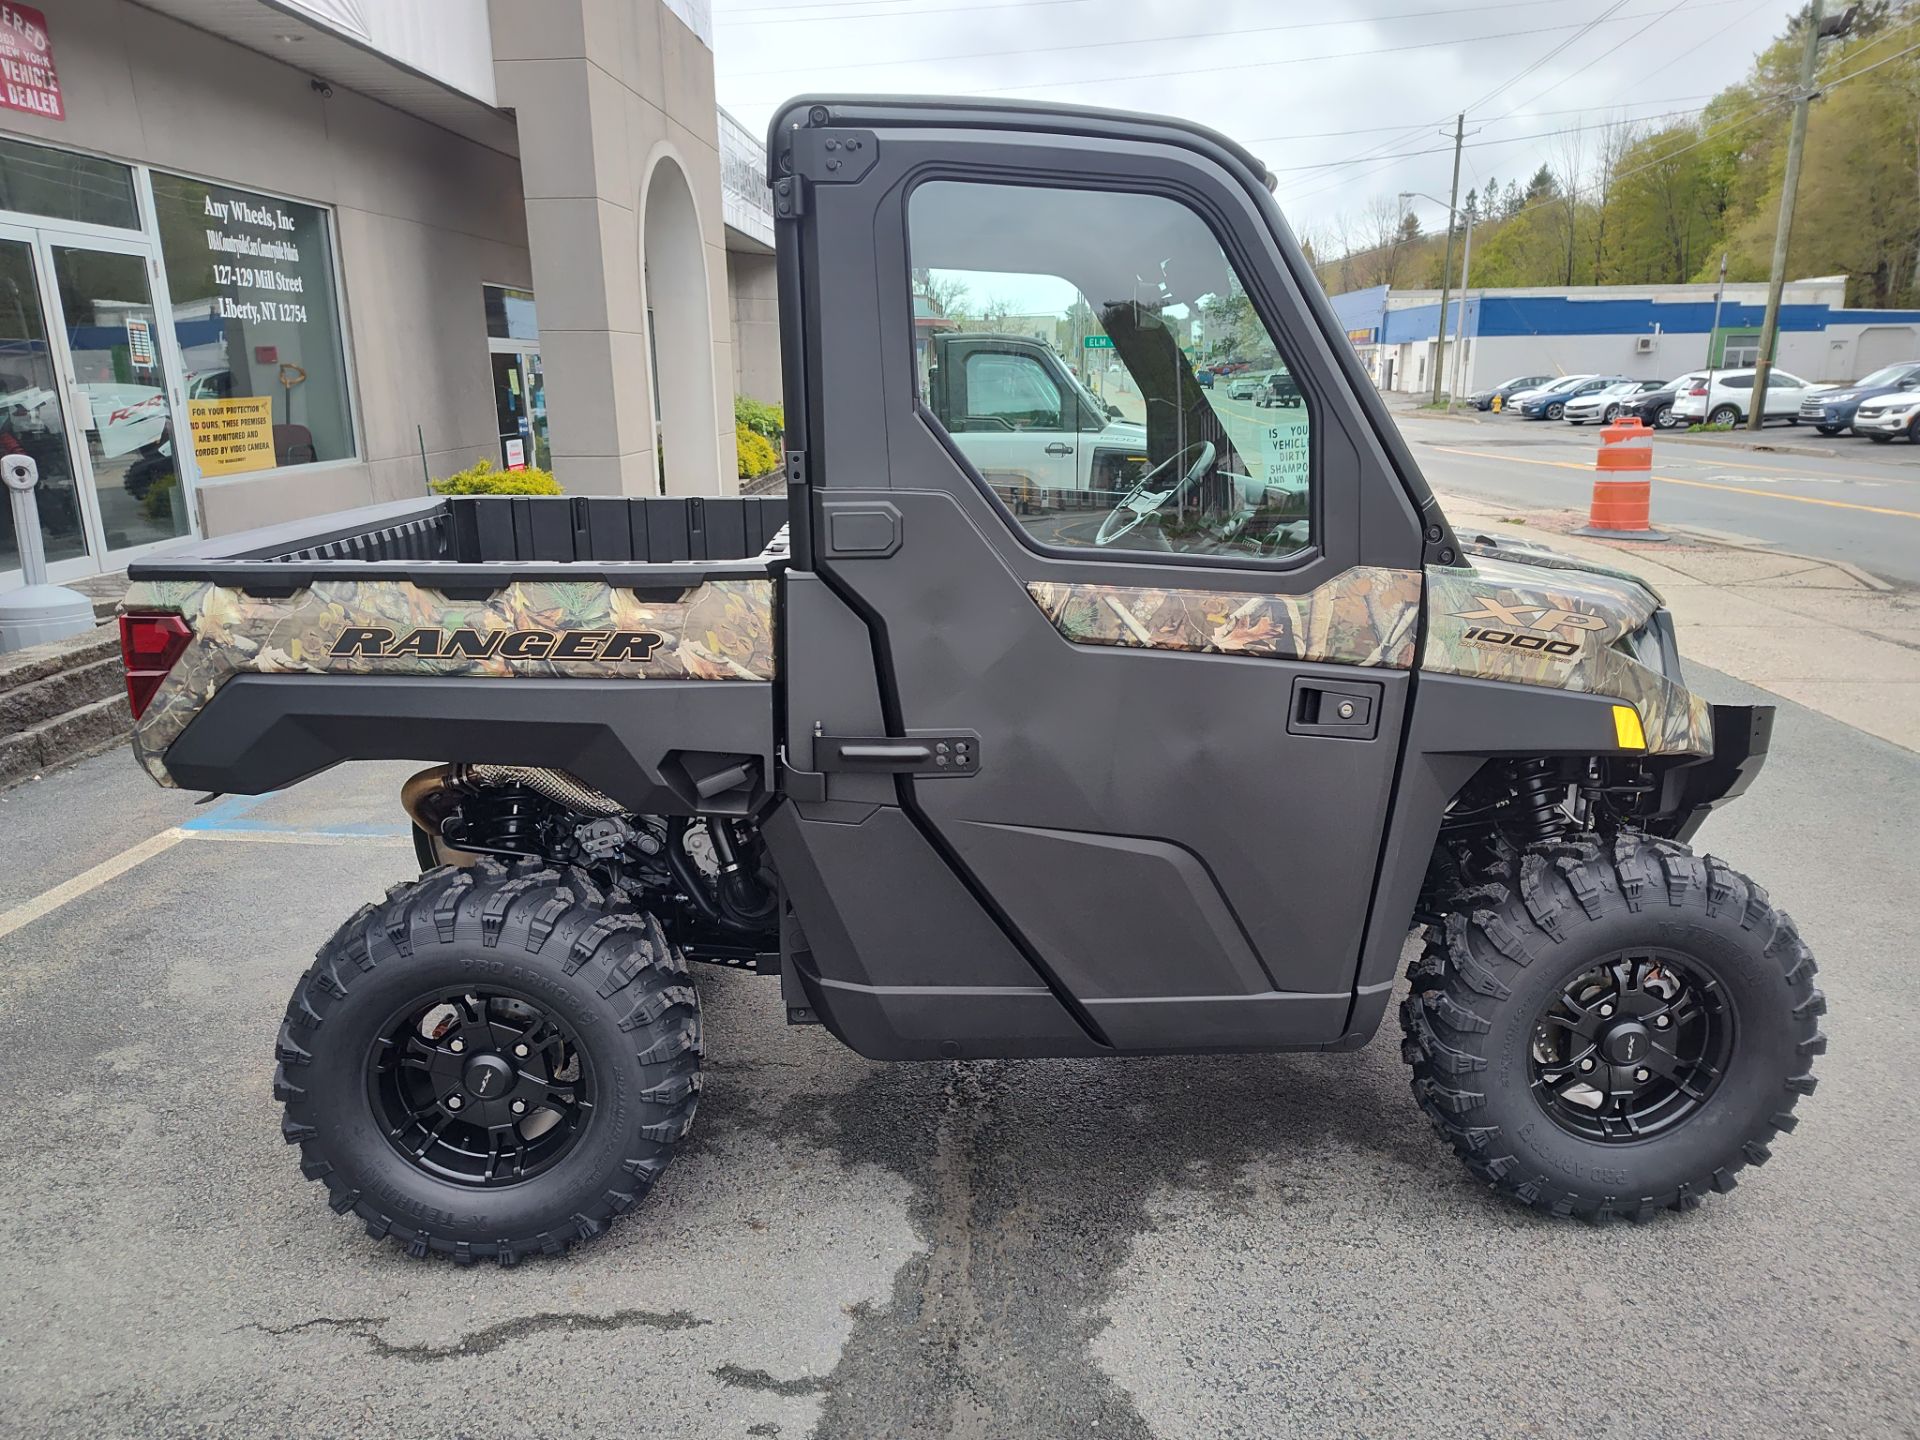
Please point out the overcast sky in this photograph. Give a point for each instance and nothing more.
(1277, 75)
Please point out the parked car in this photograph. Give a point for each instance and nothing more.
(1888, 415)
(1281, 389)
(1732, 398)
(1551, 403)
(1655, 407)
(1832, 409)
(1504, 393)
(1606, 403)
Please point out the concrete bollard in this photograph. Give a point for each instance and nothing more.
(37, 612)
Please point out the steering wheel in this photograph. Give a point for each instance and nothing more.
(1143, 500)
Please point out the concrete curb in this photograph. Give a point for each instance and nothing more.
(1683, 438)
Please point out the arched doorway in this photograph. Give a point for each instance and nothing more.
(679, 333)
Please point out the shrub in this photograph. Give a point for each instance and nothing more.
(757, 455)
(483, 479)
(766, 420)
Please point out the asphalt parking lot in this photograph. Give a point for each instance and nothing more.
(1244, 1246)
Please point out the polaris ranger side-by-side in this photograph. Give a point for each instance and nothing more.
(1167, 759)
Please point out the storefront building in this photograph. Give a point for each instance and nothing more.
(260, 262)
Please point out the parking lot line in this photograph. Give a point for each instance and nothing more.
(48, 901)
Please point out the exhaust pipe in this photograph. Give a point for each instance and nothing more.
(424, 798)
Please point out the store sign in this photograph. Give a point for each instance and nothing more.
(516, 454)
(233, 435)
(140, 343)
(1362, 337)
(27, 78)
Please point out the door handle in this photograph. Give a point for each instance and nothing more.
(1058, 448)
(1346, 709)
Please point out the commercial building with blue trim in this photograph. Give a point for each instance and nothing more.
(1652, 332)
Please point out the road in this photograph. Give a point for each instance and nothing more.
(1861, 506)
(1223, 1246)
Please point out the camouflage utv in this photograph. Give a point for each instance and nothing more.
(1167, 757)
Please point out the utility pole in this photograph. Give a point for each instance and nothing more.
(1446, 271)
(1460, 323)
(1783, 231)
(1719, 294)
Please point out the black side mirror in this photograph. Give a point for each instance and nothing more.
(1113, 413)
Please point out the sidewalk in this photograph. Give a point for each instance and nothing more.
(1826, 635)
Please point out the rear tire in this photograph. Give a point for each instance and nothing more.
(1494, 1057)
(1725, 415)
(1829, 429)
(493, 947)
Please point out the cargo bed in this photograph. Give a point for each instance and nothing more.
(488, 539)
(383, 633)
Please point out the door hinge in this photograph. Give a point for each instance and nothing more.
(831, 157)
(789, 198)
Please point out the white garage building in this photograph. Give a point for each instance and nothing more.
(1651, 332)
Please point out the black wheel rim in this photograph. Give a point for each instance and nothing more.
(480, 1087)
(1631, 1046)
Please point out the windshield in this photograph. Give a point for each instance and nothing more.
(1885, 375)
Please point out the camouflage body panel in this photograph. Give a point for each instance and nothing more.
(1498, 618)
(718, 630)
(1368, 615)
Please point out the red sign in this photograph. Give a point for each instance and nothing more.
(27, 81)
(266, 354)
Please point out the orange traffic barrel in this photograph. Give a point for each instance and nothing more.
(1623, 483)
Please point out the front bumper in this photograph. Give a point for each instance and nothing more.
(1892, 422)
(1689, 793)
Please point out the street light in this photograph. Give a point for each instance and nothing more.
(1460, 317)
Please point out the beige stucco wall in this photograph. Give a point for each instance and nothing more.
(606, 92)
(753, 298)
(422, 219)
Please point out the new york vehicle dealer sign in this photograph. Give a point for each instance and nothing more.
(27, 80)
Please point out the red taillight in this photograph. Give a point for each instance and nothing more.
(1698, 390)
(149, 646)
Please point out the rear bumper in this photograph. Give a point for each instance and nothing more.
(1691, 792)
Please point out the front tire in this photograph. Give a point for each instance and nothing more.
(494, 1062)
(1556, 412)
(1606, 1030)
(1664, 418)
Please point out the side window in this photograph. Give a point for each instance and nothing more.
(1096, 358)
(1738, 382)
(1792, 382)
(1010, 392)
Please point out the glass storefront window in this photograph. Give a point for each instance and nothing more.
(31, 421)
(258, 321)
(510, 313)
(64, 186)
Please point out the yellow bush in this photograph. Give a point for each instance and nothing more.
(483, 479)
(757, 455)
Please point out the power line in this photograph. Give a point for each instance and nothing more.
(1739, 19)
(1536, 115)
(1285, 60)
(1592, 24)
(1509, 140)
(1589, 64)
(1163, 39)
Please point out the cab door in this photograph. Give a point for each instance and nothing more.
(1154, 738)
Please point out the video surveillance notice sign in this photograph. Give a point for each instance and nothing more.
(27, 78)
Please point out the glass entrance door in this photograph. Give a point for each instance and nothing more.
(117, 365)
(33, 419)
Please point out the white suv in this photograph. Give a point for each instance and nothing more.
(1886, 416)
(1732, 398)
